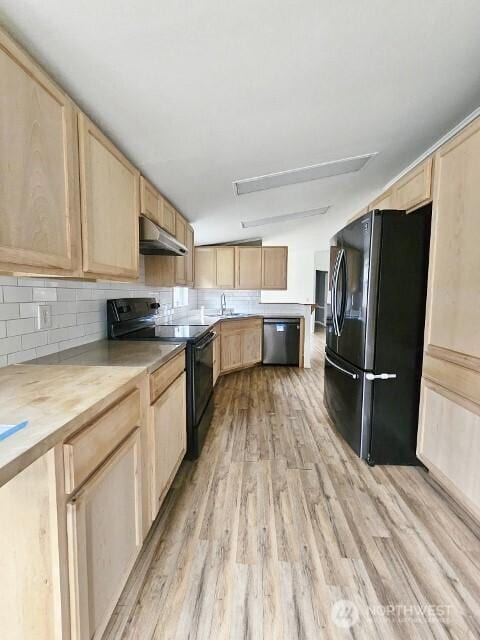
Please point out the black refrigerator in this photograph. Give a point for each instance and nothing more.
(374, 335)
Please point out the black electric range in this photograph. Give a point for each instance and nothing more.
(136, 319)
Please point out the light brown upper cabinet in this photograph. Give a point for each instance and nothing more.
(359, 214)
(415, 188)
(215, 267)
(39, 200)
(151, 202)
(110, 205)
(190, 258)
(169, 218)
(274, 267)
(206, 267)
(181, 262)
(241, 267)
(248, 267)
(384, 201)
(453, 314)
(225, 270)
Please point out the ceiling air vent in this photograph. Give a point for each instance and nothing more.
(302, 174)
(286, 217)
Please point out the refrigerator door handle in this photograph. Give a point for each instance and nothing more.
(380, 376)
(345, 371)
(336, 270)
(343, 304)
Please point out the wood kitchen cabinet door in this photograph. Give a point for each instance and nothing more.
(169, 438)
(216, 359)
(39, 197)
(453, 312)
(169, 218)
(181, 262)
(274, 267)
(248, 266)
(414, 189)
(231, 355)
(449, 441)
(151, 202)
(225, 276)
(190, 258)
(110, 206)
(252, 342)
(104, 537)
(205, 267)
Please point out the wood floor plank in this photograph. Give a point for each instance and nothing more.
(278, 523)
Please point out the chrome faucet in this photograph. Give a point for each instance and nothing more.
(223, 304)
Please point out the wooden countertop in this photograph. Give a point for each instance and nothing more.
(56, 400)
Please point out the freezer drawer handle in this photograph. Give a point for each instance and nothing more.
(380, 376)
(348, 373)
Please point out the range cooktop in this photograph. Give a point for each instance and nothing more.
(174, 333)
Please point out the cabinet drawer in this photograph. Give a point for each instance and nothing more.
(163, 377)
(85, 451)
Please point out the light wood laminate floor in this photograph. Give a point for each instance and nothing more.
(278, 523)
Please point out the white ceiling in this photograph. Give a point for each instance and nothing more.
(199, 94)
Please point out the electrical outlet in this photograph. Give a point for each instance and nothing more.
(44, 318)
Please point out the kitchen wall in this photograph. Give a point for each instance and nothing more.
(78, 312)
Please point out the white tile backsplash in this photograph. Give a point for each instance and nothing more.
(246, 302)
(17, 294)
(79, 313)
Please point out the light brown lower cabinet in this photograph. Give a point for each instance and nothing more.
(231, 356)
(104, 523)
(216, 359)
(169, 439)
(240, 343)
(252, 346)
(33, 556)
(449, 441)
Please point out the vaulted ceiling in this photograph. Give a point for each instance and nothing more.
(199, 94)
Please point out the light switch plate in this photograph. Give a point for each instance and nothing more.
(44, 318)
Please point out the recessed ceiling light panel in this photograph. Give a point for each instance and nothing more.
(286, 217)
(302, 174)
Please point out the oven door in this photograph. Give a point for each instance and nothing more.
(202, 375)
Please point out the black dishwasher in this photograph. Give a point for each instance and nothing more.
(281, 341)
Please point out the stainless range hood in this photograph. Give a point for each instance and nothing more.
(154, 241)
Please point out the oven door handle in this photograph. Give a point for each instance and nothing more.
(206, 341)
